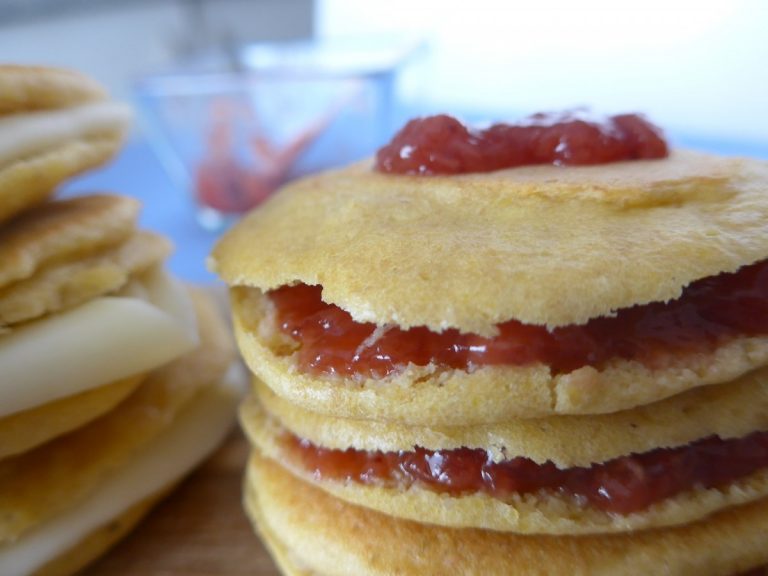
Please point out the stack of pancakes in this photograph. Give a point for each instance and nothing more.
(650, 461)
(113, 378)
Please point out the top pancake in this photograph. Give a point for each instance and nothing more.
(30, 88)
(544, 245)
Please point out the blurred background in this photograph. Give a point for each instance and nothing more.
(235, 97)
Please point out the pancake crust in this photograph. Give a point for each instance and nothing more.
(730, 410)
(327, 536)
(23, 431)
(428, 396)
(99, 541)
(544, 512)
(288, 563)
(32, 485)
(64, 230)
(66, 284)
(32, 88)
(28, 182)
(544, 245)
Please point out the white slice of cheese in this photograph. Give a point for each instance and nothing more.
(22, 135)
(195, 433)
(99, 342)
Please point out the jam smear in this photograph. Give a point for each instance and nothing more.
(443, 145)
(709, 312)
(623, 485)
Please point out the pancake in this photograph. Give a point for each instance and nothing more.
(40, 150)
(311, 532)
(33, 88)
(732, 410)
(99, 541)
(54, 124)
(195, 432)
(41, 484)
(542, 512)
(156, 321)
(429, 396)
(29, 182)
(23, 431)
(64, 231)
(62, 285)
(543, 245)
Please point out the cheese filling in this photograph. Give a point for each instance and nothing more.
(102, 341)
(23, 135)
(197, 430)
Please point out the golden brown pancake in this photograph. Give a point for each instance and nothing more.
(32, 88)
(543, 245)
(426, 395)
(65, 284)
(31, 486)
(100, 540)
(64, 231)
(544, 512)
(731, 410)
(314, 533)
(54, 124)
(24, 431)
(27, 183)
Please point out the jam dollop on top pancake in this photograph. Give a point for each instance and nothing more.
(443, 145)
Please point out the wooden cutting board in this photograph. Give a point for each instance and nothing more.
(200, 530)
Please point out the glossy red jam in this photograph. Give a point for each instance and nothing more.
(443, 145)
(624, 485)
(709, 312)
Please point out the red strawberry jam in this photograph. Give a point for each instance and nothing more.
(709, 312)
(624, 485)
(443, 145)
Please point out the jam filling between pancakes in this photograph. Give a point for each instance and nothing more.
(622, 486)
(709, 313)
(443, 145)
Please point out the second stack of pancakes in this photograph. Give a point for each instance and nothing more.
(532, 371)
(114, 376)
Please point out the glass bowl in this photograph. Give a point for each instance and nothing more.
(230, 139)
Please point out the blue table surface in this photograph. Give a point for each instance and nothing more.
(137, 172)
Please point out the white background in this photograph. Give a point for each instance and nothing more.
(693, 66)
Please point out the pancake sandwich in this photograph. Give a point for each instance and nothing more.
(54, 124)
(116, 378)
(531, 349)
